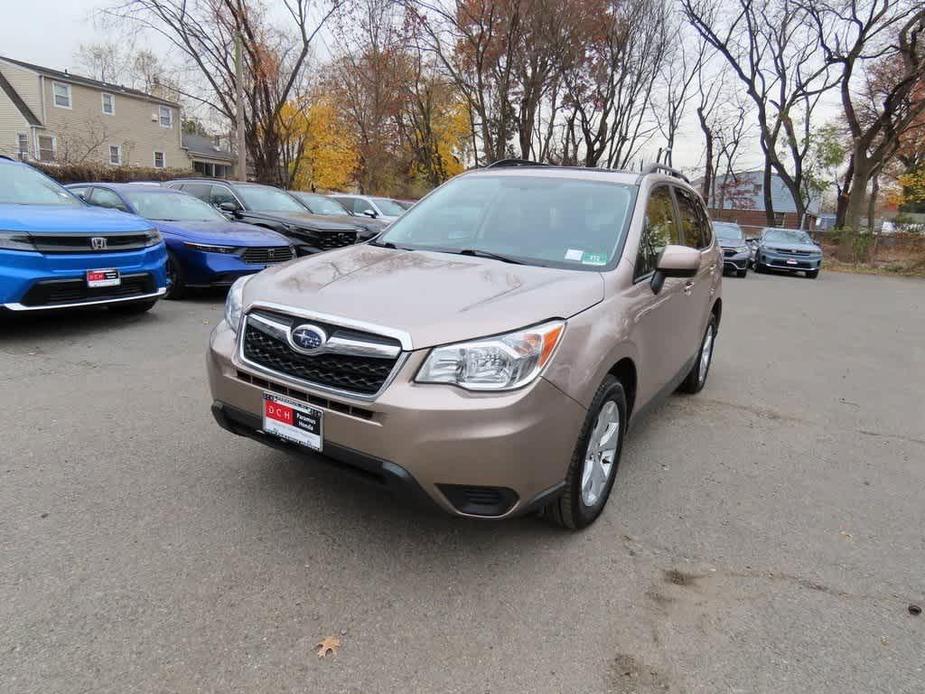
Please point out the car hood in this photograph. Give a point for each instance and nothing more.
(368, 222)
(314, 222)
(730, 243)
(790, 246)
(37, 219)
(435, 297)
(222, 233)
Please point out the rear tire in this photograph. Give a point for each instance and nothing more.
(696, 378)
(131, 308)
(586, 491)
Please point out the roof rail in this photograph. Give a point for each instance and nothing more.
(502, 163)
(655, 166)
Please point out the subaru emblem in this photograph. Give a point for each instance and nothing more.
(307, 338)
(98, 243)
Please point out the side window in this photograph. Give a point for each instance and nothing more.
(693, 220)
(106, 198)
(660, 230)
(361, 206)
(197, 190)
(221, 194)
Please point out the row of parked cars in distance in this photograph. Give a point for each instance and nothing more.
(57, 250)
(790, 250)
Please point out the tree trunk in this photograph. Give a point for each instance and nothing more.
(857, 194)
(768, 197)
(872, 202)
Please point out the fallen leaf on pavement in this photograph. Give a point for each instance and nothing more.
(328, 645)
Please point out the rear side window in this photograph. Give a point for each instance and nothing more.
(106, 198)
(660, 230)
(197, 190)
(693, 220)
(221, 194)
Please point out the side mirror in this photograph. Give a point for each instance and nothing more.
(229, 206)
(675, 261)
(370, 213)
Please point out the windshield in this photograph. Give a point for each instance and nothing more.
(318, 204)
(22, 185)
(557, 222)
(786, 236)
(728, 232)
(390, 208)
(267, 199)
(171, 207)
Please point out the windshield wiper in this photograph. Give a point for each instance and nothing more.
(389, 245)
(488, 254)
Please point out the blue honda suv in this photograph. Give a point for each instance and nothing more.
(57, 252)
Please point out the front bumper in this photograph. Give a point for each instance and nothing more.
(786, 261)
(739, 261)
(23, 272)
(461, 449)
(204, 269)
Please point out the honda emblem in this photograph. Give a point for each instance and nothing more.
(98, 243)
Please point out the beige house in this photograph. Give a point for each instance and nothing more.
(53, 116)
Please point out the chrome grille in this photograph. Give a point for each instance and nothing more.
(267, 256)
(351, 362)
(84, 242)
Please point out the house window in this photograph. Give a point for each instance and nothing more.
(109, 104)
(22, 145)
(115, 154)
(62, 94)
(165, 114)
(46, 148)
(158, 160)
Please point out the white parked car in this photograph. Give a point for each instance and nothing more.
(376, 207)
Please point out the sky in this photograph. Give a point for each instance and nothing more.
(49, 33)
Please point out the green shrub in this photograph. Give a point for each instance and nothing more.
(94, 172)
(853, 246)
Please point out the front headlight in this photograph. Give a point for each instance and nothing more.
(234, 303)
(502, 362)
(152, 238)
(741, 249)
(15, 241)
(208, 248)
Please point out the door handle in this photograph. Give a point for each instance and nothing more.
(712, 267)
(688, 287)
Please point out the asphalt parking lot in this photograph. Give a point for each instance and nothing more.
(767, 535)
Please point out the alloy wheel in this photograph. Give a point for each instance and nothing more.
(600, 454)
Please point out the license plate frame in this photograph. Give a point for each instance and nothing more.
(293, 421)
(104, 277)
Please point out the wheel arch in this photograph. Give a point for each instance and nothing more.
(625, 372)
(717, 311)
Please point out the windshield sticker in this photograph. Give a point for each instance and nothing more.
(572, 254)
(594, 259)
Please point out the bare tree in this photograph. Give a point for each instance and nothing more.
(773, 50)
(204, 33)
(878, 47)
(680, 72)
(611, 90)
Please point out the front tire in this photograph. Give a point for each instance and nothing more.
(176, 287)
(697, 377)
(742, 274)
(593, 468)
(812, 274)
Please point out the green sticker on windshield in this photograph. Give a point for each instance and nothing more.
(594, 259)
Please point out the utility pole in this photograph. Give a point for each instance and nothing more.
(239, 107)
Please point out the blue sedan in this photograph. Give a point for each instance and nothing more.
(204, 249)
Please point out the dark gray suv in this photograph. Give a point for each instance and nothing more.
(792, 250)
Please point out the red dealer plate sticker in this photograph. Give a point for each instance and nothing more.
(292, 420)
(103, 278)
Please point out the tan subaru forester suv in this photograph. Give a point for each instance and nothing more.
(488, 350)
